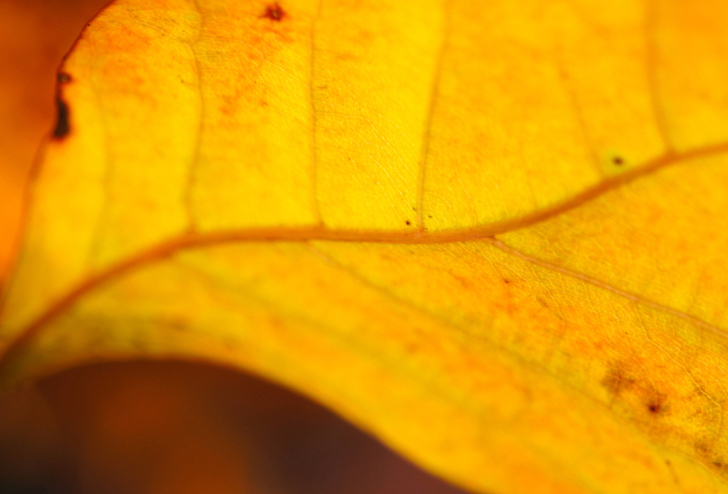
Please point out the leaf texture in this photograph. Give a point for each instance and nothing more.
(488, 233)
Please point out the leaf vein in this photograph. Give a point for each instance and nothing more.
(430, 115)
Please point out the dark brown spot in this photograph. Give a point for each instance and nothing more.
(656, 404)
(62, 126)
(506, 281)
(408, 222)
(63, 78)
(274, 12)
(617, 160)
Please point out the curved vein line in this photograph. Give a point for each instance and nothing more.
(593, 281)
(188, 197)
(317, 232)
(430, 115)
(658, 109)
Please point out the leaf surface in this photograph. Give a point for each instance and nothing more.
(490, 234)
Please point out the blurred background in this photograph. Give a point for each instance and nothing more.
(183, 428)
(152, 427)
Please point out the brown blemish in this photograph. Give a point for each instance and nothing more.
(702, 448)
(506, 281)
(655, 406)
(408, 222)
(615, 381)
(62, 126)
(274, 12)
(618, 160)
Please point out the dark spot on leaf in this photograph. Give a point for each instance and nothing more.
(63, 78)
(656, 404)
(62, 126)
(429, 216)
(274, 12)
(617, 160)
(702, 448)
(506, 281)
(408, 222)
(616, 380)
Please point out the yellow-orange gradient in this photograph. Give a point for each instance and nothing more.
(34, 36)
(492, 233)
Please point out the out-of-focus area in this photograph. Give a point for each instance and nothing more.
(180, 428)
(157, 428)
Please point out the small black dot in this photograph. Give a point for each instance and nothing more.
(408, 222)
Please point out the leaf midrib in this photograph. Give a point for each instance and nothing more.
(193, 240)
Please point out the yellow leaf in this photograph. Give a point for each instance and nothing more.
(488, 232)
